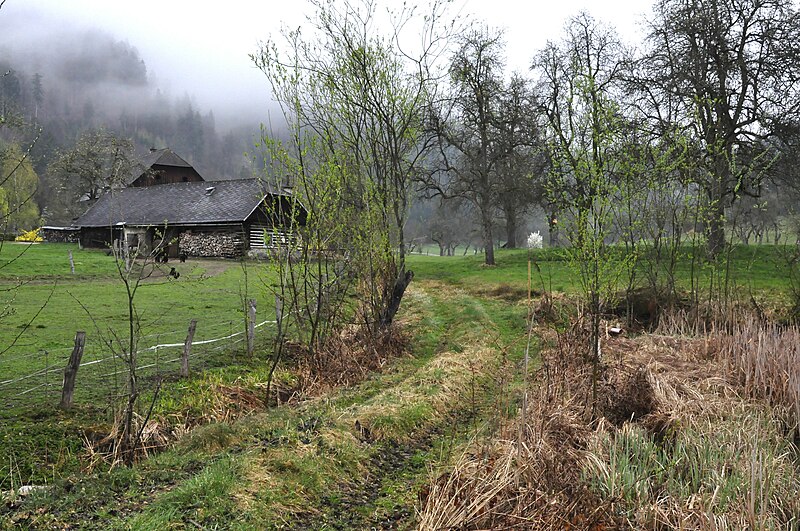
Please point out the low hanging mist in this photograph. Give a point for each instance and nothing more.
(68, 80)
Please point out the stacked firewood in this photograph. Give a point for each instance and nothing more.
(59, 236)
(212, 244)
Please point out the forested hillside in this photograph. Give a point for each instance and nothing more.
(58, 87)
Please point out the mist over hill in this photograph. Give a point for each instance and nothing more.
(65, 80)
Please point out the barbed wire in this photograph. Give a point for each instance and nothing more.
(8, 361)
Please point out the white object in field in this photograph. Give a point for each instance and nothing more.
(535, 240)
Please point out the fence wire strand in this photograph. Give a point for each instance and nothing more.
(93, 356)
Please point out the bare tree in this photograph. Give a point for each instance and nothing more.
(98, 162)
(450, 226)
(523, 158)
(355, 101)
(135, 263)
(727, 73)
(579, 80)
(466, 126)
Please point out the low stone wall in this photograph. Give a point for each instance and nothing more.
(212, 244)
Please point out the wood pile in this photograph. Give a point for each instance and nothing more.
(59, 235)
(212, 244)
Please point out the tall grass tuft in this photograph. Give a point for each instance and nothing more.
(765, 360)
(692, 435)
(717, 472)
(762, 357)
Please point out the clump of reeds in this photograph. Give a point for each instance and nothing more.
(674, 441)
(533, 483)
(727, 469)
(761, 356)
(348, 357)
(109, 449)
(764, 358)
(529, 477)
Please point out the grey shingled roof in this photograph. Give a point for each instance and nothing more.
(164, 157)
(160, 157)
(178, 204)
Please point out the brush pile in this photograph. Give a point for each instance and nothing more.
(107, 447)
(347, 357)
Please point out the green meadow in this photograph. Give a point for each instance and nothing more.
(332, 456)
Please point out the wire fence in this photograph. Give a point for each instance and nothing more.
(36, 377)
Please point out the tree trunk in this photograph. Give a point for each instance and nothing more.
(715, 228)
(552, 223)
(129, 451)
(128, 442)
(488, 238)
(715, 224)
(511, 229)
(393, 305)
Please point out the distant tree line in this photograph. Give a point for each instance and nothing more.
(709, 105)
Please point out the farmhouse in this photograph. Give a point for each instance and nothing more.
(170, 205)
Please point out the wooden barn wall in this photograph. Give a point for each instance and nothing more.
(168, 175)
(97, 237)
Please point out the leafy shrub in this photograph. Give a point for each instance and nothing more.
(31, 236)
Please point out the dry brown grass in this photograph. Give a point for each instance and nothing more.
(533, 482)
(425, 397)
(525, 478)
(674, 442)
(215, 403)
(346, 358)
(504, 291)
(764, 358)
(106, 447)
(761, 357)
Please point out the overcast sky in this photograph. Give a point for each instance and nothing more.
(201, 47)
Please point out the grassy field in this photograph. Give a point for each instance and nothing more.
(47, 304)
(430, 439)
(759, 270)
(302, 465)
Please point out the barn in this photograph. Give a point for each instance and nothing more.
(194, 218)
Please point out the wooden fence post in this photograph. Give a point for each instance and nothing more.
(72, 370)
(187, 348)
(71, 262)
(251, 326)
